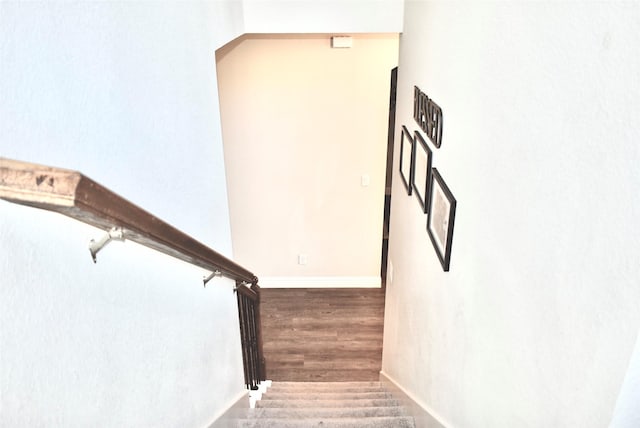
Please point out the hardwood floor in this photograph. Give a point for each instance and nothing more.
(322, 334)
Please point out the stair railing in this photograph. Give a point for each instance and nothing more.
(77, 196)
(250, 333)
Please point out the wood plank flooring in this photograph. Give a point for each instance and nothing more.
(322, 334)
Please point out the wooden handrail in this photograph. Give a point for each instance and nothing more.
(77, 196)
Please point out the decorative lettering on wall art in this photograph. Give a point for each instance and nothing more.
(428, 115)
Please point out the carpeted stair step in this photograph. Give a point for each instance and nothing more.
(326, 405)
(324, 412)
(324, 395)
(326, 386)
(375, 422)
(377, 402)
(312, 388)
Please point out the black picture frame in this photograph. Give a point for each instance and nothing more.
(441, 218)
(406, 158)
(421, 177)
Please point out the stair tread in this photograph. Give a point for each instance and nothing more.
(278, 389)
(324, 395)
(376, 402)
(327, 384)
(325, 412)
(374, 422)
(326, 387)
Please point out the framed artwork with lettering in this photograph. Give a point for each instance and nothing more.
(442, 213)
(406, 158)
(421, 160)
(428, 116)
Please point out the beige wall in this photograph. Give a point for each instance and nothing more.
(302, 123)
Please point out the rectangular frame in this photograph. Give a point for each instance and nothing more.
(421, 160)
(407, 146)
(442, 213)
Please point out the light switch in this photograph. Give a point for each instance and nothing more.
(365, 180)
(341, 42)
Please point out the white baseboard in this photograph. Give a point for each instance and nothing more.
(423, 415)
(238, 407)
(320, 282)
(255, 396)
(235, 410)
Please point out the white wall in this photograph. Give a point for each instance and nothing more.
(627, 412)
(536, 321)
(323, 16)
(125, 93)
(302, 122)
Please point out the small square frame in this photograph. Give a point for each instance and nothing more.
(421, 161)
(442, 213)
(407, 147)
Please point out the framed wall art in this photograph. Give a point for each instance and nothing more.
(421, 160)
(406, 158)
(428, 115)
(442, 213)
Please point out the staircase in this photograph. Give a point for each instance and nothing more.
(326, 404)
